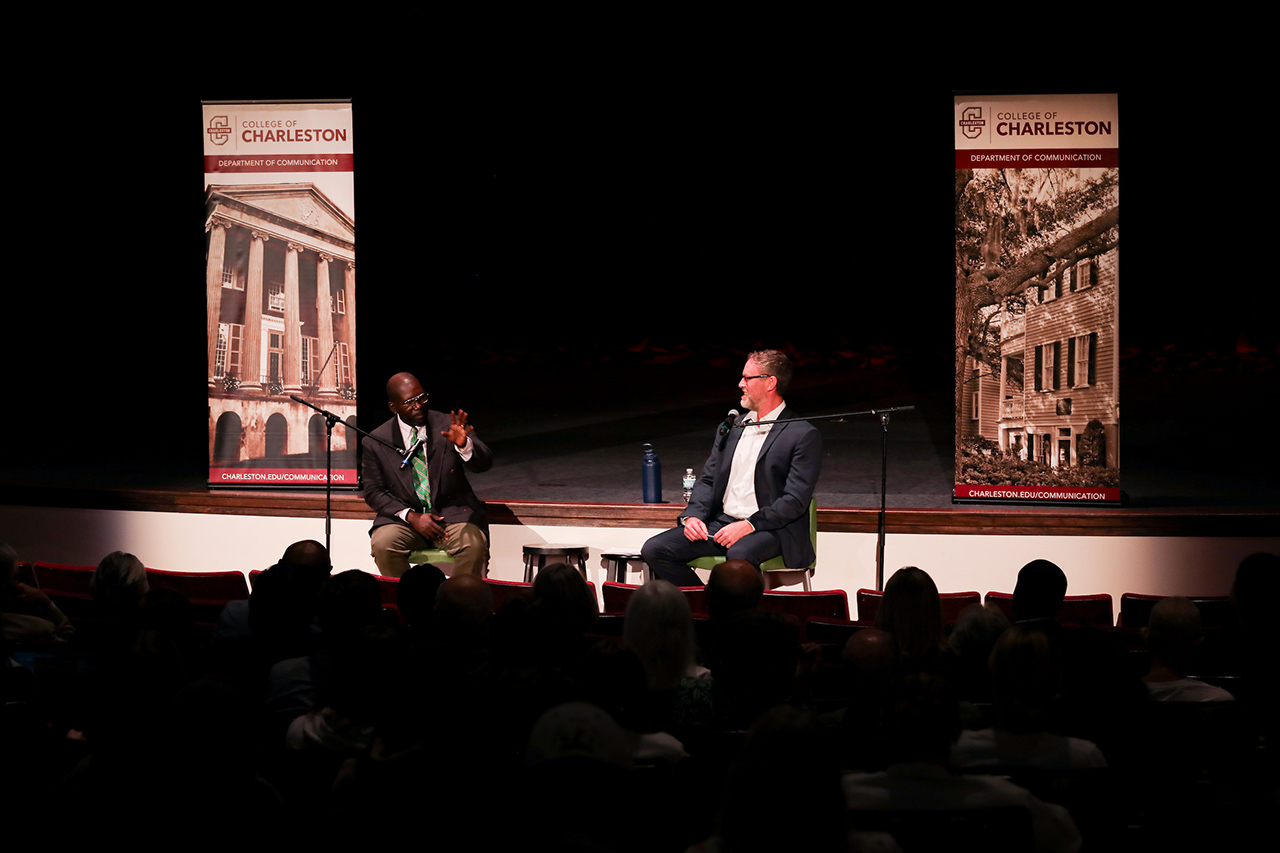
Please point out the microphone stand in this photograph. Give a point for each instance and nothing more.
(330, 418)
(883, 414)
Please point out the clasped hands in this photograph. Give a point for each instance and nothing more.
(428, 525)
(695, 530)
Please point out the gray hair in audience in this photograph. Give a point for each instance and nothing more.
(1173, 630)
(659, 629)
(978, 629)
(120, 579)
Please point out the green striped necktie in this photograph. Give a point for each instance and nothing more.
(421, 483)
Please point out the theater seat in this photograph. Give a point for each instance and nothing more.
(820, 604)
(1078, 611)
(953, 604)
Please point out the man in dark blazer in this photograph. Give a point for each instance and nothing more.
(427, 503)
(752, 500)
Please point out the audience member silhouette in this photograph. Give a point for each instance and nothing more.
(347, 604)
(911, 612)
(27, 613)
(440, 718)
(563, 610)
(1254, 642)
(756, 668)
(461, 621)
(577, 753)
(973, 637)
(1255, 592)
(1102, 699)
(659, 628)
(734, 587)
(1039, 592)
(785, 744)
(118, 585)
(870, 659)
(1025, 677)
(281, 609)
(416, 596)
(1173, 633)
(920, 722)
(167, 734)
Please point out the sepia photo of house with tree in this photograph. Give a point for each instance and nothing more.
(1037, 325)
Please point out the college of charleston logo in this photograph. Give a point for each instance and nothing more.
(971, 122)
(219, 130)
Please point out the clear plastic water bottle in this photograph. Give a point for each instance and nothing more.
(689, 480)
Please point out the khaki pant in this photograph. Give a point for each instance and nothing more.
(466, 543)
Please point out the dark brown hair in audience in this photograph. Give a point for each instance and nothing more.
(1024, 674)
(1255, 590)
(912, 612)
(561, 592)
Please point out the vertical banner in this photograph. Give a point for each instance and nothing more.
(1037, 232)
(280, 280)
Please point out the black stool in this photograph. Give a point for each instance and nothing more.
(616, 561)
(571, 554)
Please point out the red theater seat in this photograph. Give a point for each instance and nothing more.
(1078, 611)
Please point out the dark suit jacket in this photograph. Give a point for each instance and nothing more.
(786, 473)
(388, 488)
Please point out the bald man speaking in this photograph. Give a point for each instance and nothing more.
(428, 502)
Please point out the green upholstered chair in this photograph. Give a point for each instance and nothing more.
(776, 571)
(429, 555)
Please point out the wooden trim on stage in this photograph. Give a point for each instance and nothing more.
(1007, 521)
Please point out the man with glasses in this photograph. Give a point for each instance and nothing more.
(752, 501)
(425, 502)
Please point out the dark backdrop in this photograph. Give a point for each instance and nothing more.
(579, 251)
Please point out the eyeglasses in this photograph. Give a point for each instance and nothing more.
(757, 376)
(420, 400)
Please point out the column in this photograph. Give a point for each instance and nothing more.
(1004, 416)
(292, 322)
(213, 288)
(349, 335)
(251, 359)
(324, 322)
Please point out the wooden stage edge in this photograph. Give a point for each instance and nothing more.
(983, 520)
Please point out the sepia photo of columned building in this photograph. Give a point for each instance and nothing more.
(280, 284)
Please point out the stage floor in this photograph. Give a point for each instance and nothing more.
(580, 441)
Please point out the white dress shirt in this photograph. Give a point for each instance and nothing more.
(740, 493)
(406, 435)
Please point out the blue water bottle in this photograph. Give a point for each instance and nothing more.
(651, 476)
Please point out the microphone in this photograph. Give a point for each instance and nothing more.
(729, 421)
(408, 454)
